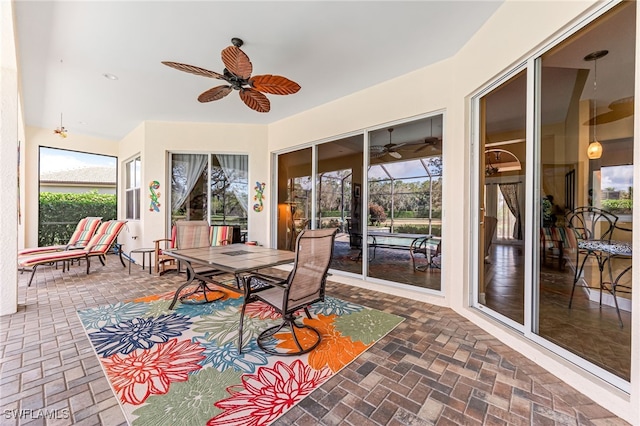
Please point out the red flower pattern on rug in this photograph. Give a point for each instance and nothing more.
(264, 396)
(146, 372)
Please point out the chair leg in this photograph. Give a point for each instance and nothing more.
(288, 321)
(244, 306)
(33, 273)
(577, 276)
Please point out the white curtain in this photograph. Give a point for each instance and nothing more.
(187, 168)
(235, 169)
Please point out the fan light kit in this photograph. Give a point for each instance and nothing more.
(61, 131)
(237, 73)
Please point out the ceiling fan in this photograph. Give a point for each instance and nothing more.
(429, 142)
(237, 73)
(618, 109)
(377, 151)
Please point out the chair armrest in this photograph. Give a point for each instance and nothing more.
(156, 244)
(258, 282)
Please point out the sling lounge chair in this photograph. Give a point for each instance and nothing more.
(85, 229)
(98, 246)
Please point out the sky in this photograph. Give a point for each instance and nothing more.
(617, 177)
(52, 160)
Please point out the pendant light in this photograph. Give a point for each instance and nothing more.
(594, 150)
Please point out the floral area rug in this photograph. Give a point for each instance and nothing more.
(183, 367)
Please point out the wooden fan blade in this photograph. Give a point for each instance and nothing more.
(215, 93)
(237, 62)
(193, 70)
(255, 100)
(274, 84)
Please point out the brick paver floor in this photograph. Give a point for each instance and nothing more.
(436, 368)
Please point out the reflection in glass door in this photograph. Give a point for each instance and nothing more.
(587, 87)
(294, 196)
(502, 196)
(339, 199)
(582, 121)
(403, 219)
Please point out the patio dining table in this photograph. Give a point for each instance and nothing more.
(415, 243)
(237, 259)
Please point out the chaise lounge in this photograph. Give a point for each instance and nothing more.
(98, 246)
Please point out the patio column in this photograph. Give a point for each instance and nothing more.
(8, 162)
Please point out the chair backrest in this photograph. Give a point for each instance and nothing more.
(306, 282)
(192, 234)
(105, 236)
(85, 229)
(221, 235)
(592, 223)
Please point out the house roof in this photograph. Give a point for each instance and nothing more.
(94, 175)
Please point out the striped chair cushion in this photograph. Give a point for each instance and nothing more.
(46, 249)
(552, 235)
(221, 235)
(192, 234)
(85, 229)
(105, 237)
(40, 258)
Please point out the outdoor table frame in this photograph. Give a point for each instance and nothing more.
(237, 259)
(414, 247)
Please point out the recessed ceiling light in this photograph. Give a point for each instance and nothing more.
(82, 123)
(110, 76)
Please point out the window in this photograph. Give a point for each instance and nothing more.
(73, 185)
(133, 189)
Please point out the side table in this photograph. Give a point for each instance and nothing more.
(145, 252)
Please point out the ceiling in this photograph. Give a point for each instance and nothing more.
(331, 48)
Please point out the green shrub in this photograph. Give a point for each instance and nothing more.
(418, 229)
(59, 213)
(618, 206)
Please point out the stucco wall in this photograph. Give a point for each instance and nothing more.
(154, 140)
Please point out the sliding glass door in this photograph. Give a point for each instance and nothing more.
(501, 212)
(211, 187)
(555, 168)
(586, 163)
(404, 226)
(386, 205)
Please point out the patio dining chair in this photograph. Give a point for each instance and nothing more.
(99, 245)
(85, 229)
(304, 286)
(191, 234)
(593, 228)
